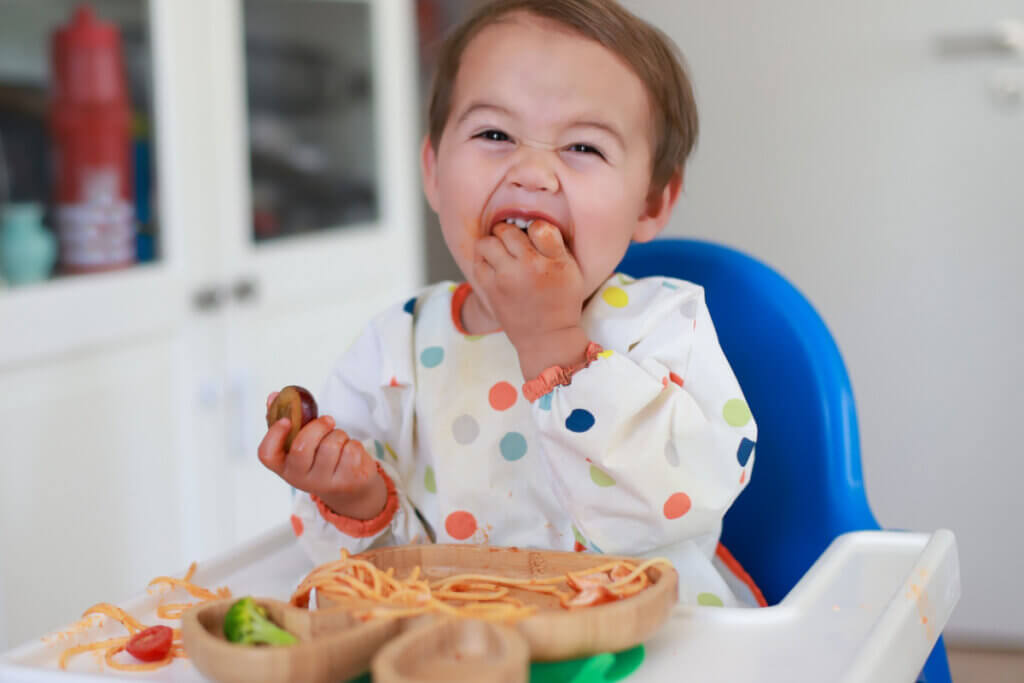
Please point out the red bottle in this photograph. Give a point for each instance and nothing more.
(91, 127)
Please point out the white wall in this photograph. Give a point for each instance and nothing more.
(886, 183)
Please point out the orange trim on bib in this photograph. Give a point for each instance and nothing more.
(361, 528)
(458, 301)
(557, 375)
(737, 569)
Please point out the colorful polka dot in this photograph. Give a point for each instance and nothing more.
(625, 279)
(513, 446)
(297, 525)
(579, 421)
(743, 476)
(472, 337)
(593, 546)
(670, 285)
(677, 505)
(578, 536)
(502, 396)
(429, 482)
(709, 600)
(744, 451)
(671, 456)
(390, 451)
(607, 353)
(379, 448)
(736, 412)
(409, 306)
(675, 378)
(465, 429)
(460, 525)
(615, 297)
(600, 477)
(544, 402)
(432, 356)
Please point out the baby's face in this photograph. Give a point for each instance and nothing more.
(544, 124)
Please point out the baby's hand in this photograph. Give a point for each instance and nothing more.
(532, 282)
(323, 461)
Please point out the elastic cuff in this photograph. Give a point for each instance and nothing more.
(362, 528)
(558, 375)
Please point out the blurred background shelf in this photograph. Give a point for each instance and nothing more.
(282, 170)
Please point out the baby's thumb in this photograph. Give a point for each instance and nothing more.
(547, 239)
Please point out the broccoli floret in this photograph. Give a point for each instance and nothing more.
(246, 623)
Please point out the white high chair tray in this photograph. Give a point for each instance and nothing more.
(870, 609)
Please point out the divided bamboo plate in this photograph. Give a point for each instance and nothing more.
(334, 646)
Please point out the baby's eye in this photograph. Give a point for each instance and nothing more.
(493, 135)
(584, 148)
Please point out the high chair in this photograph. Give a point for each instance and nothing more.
(806, 487)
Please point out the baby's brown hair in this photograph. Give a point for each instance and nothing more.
(648, 52)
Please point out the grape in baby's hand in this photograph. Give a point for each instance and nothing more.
(295, 403)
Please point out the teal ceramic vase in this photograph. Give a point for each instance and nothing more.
(27, 249)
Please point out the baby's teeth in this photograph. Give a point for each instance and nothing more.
(519, 222)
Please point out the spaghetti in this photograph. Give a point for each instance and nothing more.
(113, 646)
(360, 584)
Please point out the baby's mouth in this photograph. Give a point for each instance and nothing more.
(523, 222)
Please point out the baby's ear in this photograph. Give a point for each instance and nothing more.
(428, 169)
(658, 209)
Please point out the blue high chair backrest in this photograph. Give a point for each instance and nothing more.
(806, 485)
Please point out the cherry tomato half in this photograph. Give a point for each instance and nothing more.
(152, 644)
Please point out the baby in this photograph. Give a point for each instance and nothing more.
(547, 401)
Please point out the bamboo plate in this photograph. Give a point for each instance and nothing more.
(335, 646)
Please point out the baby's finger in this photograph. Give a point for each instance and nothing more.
(356, 467)
(327, 455)
(273, 395)
(494, 252)
(483, 270)
(514, 239)
(303, 451)
(271, 448)
(548, 240)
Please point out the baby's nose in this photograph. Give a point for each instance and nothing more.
(534, 170)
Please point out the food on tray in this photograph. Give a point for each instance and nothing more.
(155, 646)
(480, 596)
(295, 403)
(246, 623)
(151, 644)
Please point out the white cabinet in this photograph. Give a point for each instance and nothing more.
(131, 402)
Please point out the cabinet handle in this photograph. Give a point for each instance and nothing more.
(1004, 39)
(245, 290)
(208, 299)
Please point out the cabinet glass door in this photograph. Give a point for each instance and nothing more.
(318, 204)
(111, 200)
(312, 151)
(77, 135)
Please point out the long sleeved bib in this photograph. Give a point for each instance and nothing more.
(641, 454)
